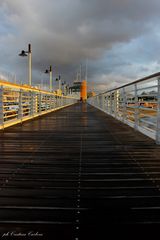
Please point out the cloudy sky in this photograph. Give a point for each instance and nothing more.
(120, 39)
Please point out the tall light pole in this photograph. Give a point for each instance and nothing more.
(29, 54)
(67, 89)
(59, 83)
(50, 78)
(59, 78)
(64, 87)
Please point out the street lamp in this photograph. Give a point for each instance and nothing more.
(50, 77)
(64, 87)
(67, 89)
(29, 54)
(59, 81)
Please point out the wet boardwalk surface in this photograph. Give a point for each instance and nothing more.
(78, 174)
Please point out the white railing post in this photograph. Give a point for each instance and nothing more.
(97, 101)
(52, 102)
(39, 103)
(110, 103)
(115, 103)
(136, 111)
(61, 101)
(36, 103)
(32, 104)
(158, 113)
(124, 105)
(57, 101)
(46, 102)
(20, 107)
(103, 102)
(1, 107)
(107, 104)
(100, 101)
(94, 101)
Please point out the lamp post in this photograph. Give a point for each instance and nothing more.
(59, 83)
(67, 89)
(64, 87)
(29, 54)
(50, 78)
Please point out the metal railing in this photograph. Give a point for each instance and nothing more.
(136, 104)
(19, 103)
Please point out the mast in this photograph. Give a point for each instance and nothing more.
(86, 69)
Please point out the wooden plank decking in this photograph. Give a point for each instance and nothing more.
(77, 174)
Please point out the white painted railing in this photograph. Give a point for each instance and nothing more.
(136, 104)
(19, 103)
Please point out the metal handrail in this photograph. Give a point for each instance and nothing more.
(136, 104)
(136, 81)
(19, 103)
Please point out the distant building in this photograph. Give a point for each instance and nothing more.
(76, 87)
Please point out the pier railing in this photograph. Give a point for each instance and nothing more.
(136, 104)
(19, 103)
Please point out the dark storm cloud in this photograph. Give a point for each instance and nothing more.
(66, 32)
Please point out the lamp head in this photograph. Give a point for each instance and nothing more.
(23, 54)
(46, 71)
